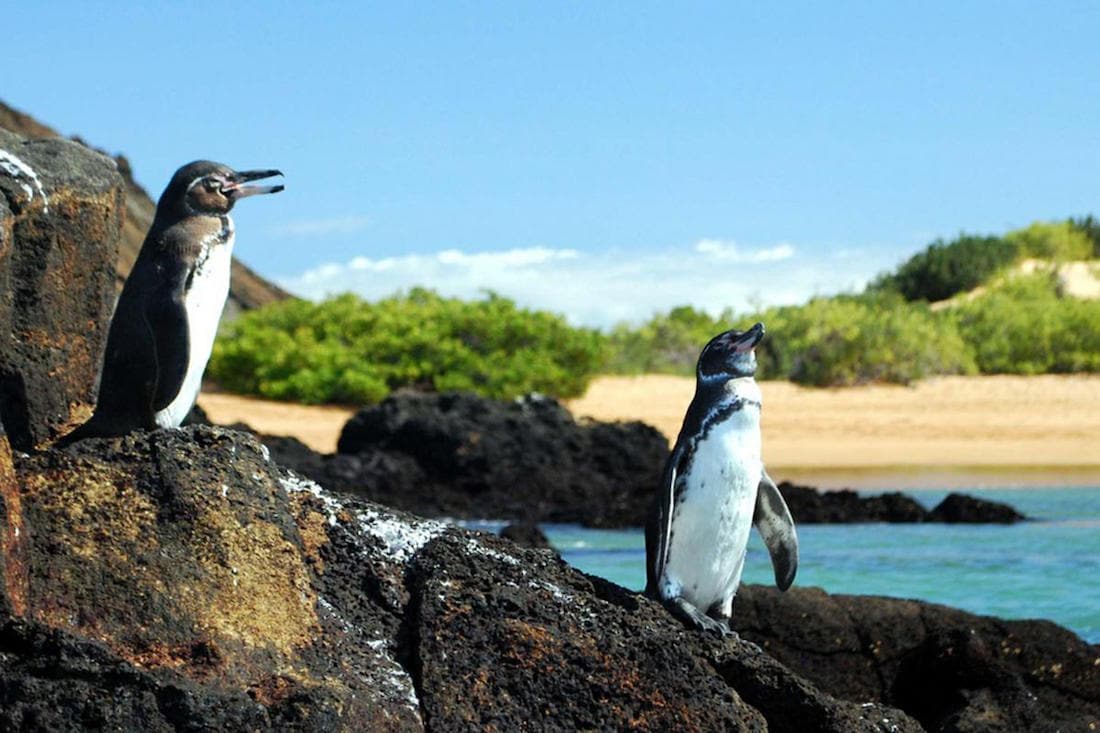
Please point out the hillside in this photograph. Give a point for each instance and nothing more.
(247, 289)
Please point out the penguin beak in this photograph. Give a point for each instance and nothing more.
(748, 340)
(237, 190)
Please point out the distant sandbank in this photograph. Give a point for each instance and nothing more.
(944, 432)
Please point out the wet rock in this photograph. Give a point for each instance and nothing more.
(459, 455)
(61, 210)
(949, 669)
(960, 508)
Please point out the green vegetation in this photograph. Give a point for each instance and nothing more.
(947, 268)
(1023, 327)
(1018, 325)
(944, 269)
(346, 350)
(843, 340)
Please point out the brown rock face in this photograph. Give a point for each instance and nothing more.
(247, 289)
(60, 216)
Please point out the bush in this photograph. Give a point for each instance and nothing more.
(848, 340)
(944, 269)
(1090, 227)
(346, 350)
(668, 343)
(843, 340)
(1024, 327)
(1061, 240)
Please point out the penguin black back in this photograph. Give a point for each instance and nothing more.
(163, 327)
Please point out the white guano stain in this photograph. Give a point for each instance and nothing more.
(401, 539)
(11, 164)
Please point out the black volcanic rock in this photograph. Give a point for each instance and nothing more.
(459, 455)
(811, 506)
(960, 508)
(180, 580)
(949, 669)
(526, 534)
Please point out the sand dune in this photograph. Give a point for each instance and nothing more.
(1000, 430)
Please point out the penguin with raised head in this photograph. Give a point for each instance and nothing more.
(164, 325)
(714, 489)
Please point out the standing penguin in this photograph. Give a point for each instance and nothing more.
(164, 325)
(713, 489)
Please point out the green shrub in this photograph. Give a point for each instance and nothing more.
(667, 343)
(842, 340)
(944, 269)
(1046, 240)
(346, 350)
(1090, 227)
(1023, 327)
(848, 340)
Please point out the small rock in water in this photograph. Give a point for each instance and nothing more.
(960, 509)
(526, 534)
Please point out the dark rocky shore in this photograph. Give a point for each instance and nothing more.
(185, 581)
(463, 456)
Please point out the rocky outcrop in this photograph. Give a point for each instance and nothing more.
(181, 580)
(247, 289)
(963, 509)
(61, 210)
(811, 506)
(526, 534)
(949, 669)
(459, 455)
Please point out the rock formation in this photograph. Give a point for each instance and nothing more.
(811, 506)
(60, 213)
(180, 579)
(460, 455)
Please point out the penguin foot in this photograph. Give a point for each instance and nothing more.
(694, 619)
(723, 623)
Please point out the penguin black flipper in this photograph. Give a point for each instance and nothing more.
(774, 522)
(659, 525)
(128, 377)
(173, 348)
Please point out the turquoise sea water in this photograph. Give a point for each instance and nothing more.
(1049, 568)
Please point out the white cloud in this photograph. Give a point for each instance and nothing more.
(321, 227)
(721, 249)
(593, 288)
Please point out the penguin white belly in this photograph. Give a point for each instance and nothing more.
(204, 303)
(710, 526)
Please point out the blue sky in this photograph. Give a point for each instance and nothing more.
(604, 160)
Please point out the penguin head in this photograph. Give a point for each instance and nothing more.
(730, 354)
(205, 188)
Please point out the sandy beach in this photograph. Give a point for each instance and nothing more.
(947, 431)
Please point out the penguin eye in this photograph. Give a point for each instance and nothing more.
(211, 184)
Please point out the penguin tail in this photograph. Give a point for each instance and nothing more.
(91, 429)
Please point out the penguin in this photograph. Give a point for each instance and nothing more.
(167, 315)
(714, 488)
